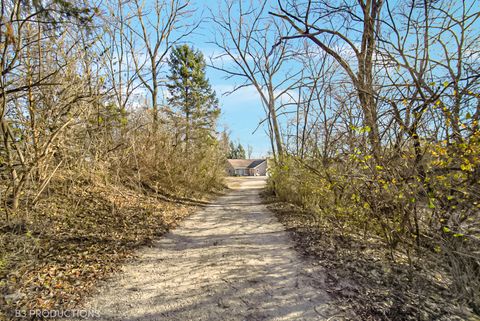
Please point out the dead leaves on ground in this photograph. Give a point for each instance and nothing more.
(360, 277)
(73, 239)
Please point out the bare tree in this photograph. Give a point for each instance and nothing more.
(153, 28)
(118, 61)
(354, 25)
(37, 98)
(246, 38)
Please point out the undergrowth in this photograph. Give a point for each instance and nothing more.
(361, 278)
(79, 233)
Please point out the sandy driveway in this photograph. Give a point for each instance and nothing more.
(229, 261)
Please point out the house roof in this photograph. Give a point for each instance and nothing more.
(245, 163)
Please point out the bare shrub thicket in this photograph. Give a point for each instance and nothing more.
(380, 134)
(79, 94)
(91, 164)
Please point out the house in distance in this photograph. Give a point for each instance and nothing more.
(247, 167)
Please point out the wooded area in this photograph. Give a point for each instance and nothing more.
(372, 108)
(91, 148)
(373, 112)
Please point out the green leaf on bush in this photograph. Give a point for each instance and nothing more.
(430, 203)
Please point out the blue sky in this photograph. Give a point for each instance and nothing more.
(242, 110)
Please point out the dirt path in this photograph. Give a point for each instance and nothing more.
(230, 261)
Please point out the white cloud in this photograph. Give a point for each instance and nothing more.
(248, 95)
(219, 58)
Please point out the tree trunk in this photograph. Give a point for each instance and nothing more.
(275, 126)
(365, 87)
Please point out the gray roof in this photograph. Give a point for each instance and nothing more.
(245, 163)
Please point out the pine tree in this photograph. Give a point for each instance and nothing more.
(232, 151)
(236, 152)
(240, 151)
(193, 103)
